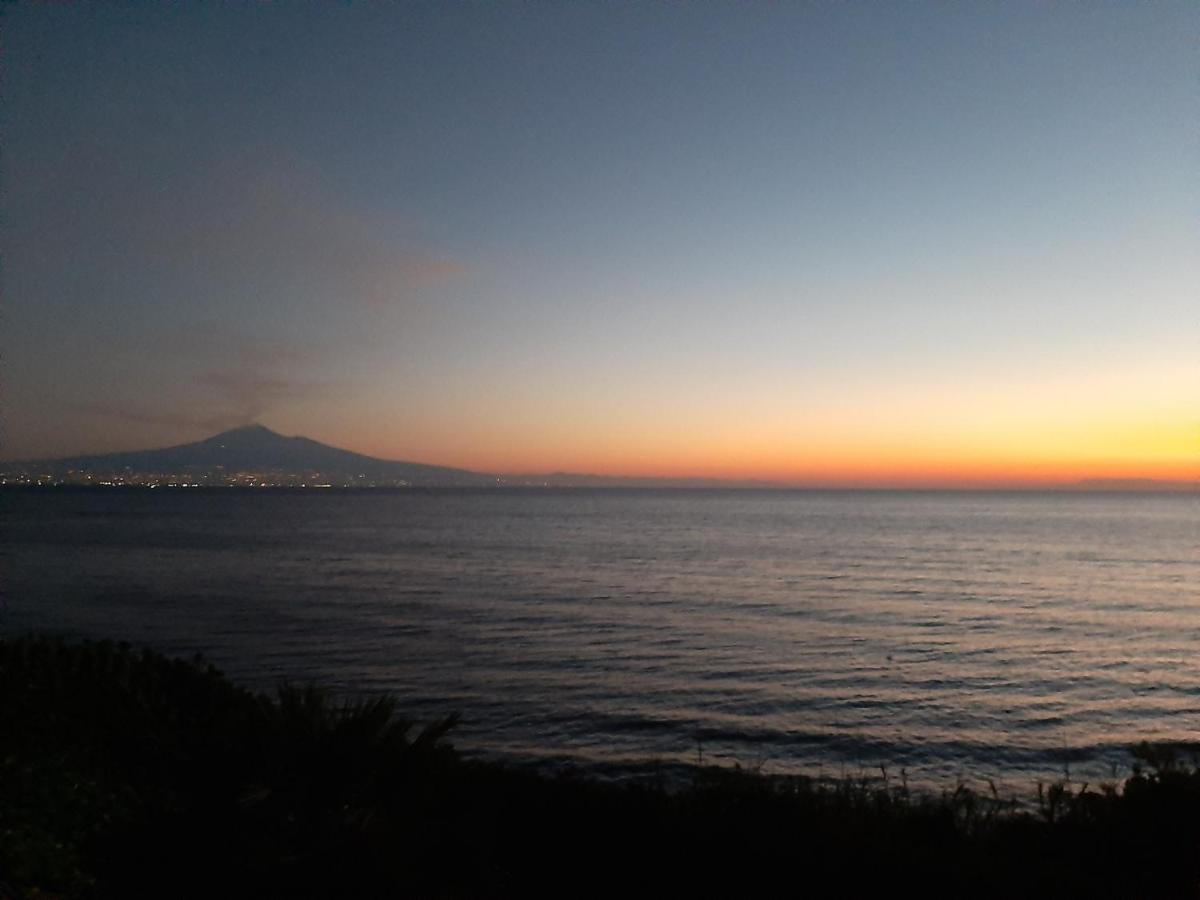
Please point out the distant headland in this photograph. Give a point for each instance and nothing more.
(256, 456)
(250, 456)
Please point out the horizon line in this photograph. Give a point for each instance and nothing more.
(1013, 480)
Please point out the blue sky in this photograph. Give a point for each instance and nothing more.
(718, 238)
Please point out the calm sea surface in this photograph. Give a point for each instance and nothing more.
(967, 635)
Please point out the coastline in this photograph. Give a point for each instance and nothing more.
(124, 768)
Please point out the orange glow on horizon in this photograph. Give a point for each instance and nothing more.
(848, 464)
(986, 429)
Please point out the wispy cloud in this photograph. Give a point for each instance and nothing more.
(249, 394)
(235, 380)
(278, 220)
(237, 287)
(186, 420)
(212, 345)
(220, 399)
(261, 218)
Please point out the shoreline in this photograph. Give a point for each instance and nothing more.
(123, 768)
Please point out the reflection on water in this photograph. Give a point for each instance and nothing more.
(1002, 635)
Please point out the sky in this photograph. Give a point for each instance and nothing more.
(920, 244)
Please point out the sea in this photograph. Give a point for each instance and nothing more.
(941, 638)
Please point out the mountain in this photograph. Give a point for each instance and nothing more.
(252, 454)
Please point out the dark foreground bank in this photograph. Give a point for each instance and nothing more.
(125, 773)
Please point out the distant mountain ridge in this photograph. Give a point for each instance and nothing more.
(252, 452)
(585, 480)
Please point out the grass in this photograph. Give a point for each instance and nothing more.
(124, 773)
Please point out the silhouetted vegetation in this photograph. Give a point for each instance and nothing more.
(125, 773)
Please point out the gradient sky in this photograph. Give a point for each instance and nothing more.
(857, 244)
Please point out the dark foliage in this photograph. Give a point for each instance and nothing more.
(128, 774)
